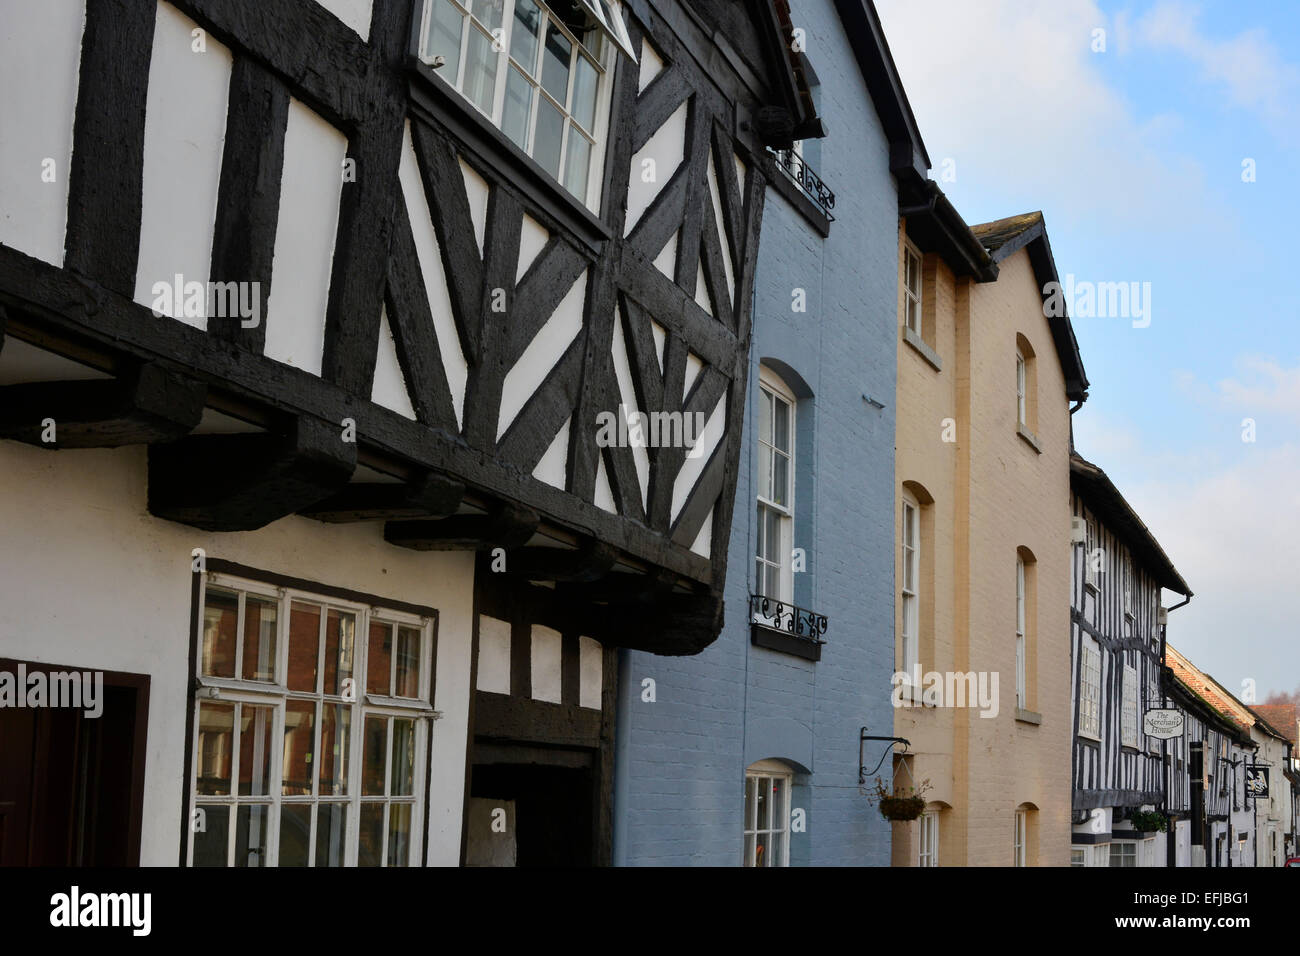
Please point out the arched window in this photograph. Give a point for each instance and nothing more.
(767, 814)
(916, 578)
(773, 571)
(1025, 843)
(1026, 386)
(1026, 630)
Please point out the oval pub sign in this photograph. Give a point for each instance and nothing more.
(1163, 724)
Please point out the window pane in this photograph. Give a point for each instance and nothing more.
(772, 537)
(555, 65)
(210, 841)
(372, 761)
(523, 37)
(260, 618)
(335, 739)
(577, 163)
(220, 624)
(340, 640)
(751, 789)
(403, 776)
(295, 834)
(408, 662)
(370, 847)
(255, 750)
(480, 71)
(761, 857)
(749, 849)
(399, 834)
(331, 833)
(778, 803)
(488, 11)
(299, 745)
(216, 743)
(444, 37)
(765, 416)
(585, 83)
(781, 425)
(514, 117)
(304, 646)
(764, 803)
(780, 478)
(379, 660)
(765, 470)
(252, 822)
(546, 139)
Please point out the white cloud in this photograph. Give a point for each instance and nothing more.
(1248, 66)
(1014, 92)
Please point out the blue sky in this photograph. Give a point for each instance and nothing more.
(1135, 156)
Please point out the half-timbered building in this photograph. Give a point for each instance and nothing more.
(337, 339)
(1211, 822)
(1117, 623)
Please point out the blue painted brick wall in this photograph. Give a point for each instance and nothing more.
(681, 760)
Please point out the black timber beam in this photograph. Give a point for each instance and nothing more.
(430, 496)
(148, 404)
(589, 562)
(505, 526)
(244, 482)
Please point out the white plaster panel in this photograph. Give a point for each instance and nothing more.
(40, 61)
(546, 662)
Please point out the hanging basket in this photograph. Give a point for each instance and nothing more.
(901, 808)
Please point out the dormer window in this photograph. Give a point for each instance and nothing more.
(539, 72)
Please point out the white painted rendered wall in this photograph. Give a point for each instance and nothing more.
(89, 579)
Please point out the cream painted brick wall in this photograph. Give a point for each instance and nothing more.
(982, 769)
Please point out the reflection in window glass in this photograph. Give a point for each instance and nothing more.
(372, 762)
(260, 621)
(548, 137)
(211, 841)
(370, 852)
(216, 743)
(299, 746)
(480, 71)
(250, 835)
(255, 750)
(331, 833)
(555, 66)
(220, 621)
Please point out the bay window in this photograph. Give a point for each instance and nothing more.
(311, 729)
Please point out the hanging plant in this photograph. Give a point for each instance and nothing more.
(903, 803)
(1147, 821)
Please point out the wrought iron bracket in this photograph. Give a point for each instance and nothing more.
(863, 737)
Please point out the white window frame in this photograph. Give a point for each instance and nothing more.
(1129, 711)
(928, 853)
(771, 387)
(910, 598)
(1122, 851)
(1089, 572)
(777, 826)
(602, 58)
(1020, 840)
(276, 695)
(1022, 684)
(912, 263)
(1089, 688)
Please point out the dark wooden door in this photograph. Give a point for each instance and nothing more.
(71, 785)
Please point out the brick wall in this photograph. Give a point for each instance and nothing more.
(681, 760)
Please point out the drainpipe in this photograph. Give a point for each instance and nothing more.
(1165, 773)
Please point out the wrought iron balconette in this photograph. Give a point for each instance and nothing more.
(797, 170)
(781, 626)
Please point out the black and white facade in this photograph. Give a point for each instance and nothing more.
(315, 318)
(1117, 626)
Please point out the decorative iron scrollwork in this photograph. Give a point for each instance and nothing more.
(781, 616)
(809, 183)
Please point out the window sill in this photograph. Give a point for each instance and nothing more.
(779, 181)
(1089, 738)
(927, 353)
(435, 98)
(1028, 717)
(760, 635)
(1029, 438)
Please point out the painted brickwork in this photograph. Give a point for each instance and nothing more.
(681, 760)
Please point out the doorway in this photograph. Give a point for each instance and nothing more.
(72, 786)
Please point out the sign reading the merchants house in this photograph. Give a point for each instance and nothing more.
(1163, 724)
